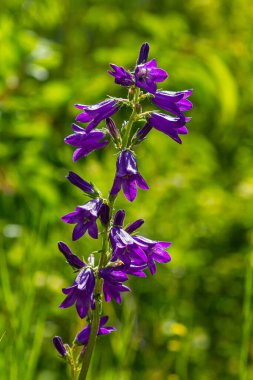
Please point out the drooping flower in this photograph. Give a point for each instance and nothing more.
(112, 286)
(174, 102)
(125, 248)
(155, 251)
(85, 219)
(84, 335)
(72, 259)
(148, 74)
(170, 125)
(133, 269)
(57, 341)
(94, 114)
(81, 292)
(122, 76)
(127, 176)
(143, 56)
(86, 142)
(77, 181)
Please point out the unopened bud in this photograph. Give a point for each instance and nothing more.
(143, 56)
(113, 130)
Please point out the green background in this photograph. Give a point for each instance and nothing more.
(192, 320)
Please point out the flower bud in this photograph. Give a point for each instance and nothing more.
(81, 183)
(134, 226)
(57, 341)
(119, 218)
(143, 56)
(113, 130)
(142, 133)
(131, 93)
(104, 214)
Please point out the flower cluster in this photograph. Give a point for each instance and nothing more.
(124, 253)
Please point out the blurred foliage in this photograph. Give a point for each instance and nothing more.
(192, 320)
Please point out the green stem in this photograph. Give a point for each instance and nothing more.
(131, 119)
(98, 293)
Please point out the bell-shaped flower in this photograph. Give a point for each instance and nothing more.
(127, 176)
(84, 335)
(85, 218)
(154, 250)
(170, 125)
(148, 74)
(112, 286)
(124, 246)
(173, 102)
(94, 114)
(85, 142)
(81, 292)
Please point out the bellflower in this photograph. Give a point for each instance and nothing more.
(84, 335)
(121, 75)
(86, 142)
(148, 74)
(112, 286)
(127, 176)
(171, 126)
(96, 113)
(155, 251)
(132, 269)
(174, 102)
(81, 293)
(85, 219)
(72, 259)
(125, 248)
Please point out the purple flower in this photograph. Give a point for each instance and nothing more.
(81, 292)
(86, 142)
(127, 176)
(72, 259)
(57, 341)
(81, 183)
(85, 219)
(84, 335)
(133, 269)
(171, 126)
(148, 74)
(125, 248)
(121, 76)
(155, 251)
(143, 56)
(112, 286)
(96, 113)
(174, 102)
